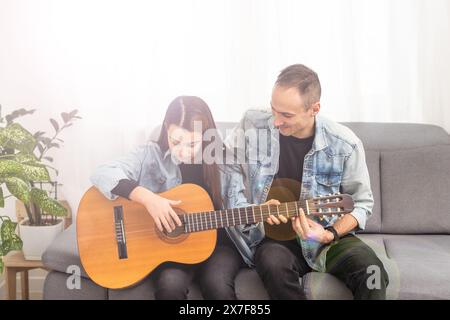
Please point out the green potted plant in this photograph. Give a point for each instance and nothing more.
(9, 240)
(23, 168)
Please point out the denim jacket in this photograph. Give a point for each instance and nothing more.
(158, 173)
(336, 163)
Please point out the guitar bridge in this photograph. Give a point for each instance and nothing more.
(120, 232)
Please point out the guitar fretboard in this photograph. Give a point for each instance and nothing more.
(200, 221)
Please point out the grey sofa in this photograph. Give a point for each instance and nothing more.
(409, 165)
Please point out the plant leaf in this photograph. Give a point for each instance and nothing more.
(40, 147)
(35, 172)
(10, 240)
(27, 158)
(65, 116)
(46, 140)
(55, 124)
(2, 199)
(53, 144)
(16, 137)
(18, 188)
(10, 168)
(30, 170)
(17, 113)
(47, 204)
(38, 134)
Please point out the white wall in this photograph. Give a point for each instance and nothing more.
(121, 62)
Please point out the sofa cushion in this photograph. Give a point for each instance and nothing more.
(415, 187)
(423, 265)
(63, 252)
(248, 286)
(55, 288)
(324, 286)
(397, 136)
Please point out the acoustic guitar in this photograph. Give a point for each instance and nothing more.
(119, 244)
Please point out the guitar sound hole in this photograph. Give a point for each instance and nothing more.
(175, 236)
(175, 233)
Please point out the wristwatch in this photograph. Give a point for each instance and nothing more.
(334, 232)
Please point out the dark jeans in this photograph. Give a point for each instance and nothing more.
(215, 275)
(281, 263)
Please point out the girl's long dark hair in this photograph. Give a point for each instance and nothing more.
(183, 111)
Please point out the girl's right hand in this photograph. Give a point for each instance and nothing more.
(158, 207)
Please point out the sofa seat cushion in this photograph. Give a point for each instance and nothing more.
(56, 288)
(423, 265)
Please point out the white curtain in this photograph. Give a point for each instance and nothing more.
(121, 63)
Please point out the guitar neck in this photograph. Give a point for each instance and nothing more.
(200, 221)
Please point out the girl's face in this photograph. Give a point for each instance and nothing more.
(184, 145)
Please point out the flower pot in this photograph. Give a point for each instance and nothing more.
(36, 239)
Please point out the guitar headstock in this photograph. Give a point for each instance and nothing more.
(331, 205)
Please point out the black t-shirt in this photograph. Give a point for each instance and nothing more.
(292, 155)
(192, 173)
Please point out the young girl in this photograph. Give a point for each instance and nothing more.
(168, 162)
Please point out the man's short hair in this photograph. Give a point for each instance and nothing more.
(304, 79)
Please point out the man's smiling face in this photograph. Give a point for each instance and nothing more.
(290, 115)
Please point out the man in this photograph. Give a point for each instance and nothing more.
(324, 157)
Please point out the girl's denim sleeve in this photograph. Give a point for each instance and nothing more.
(107, 176)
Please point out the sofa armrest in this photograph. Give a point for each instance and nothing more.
(63, 252)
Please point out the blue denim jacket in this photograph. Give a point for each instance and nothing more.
(336, 163)
(158, 173)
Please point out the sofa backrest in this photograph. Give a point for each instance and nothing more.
(409, 166)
